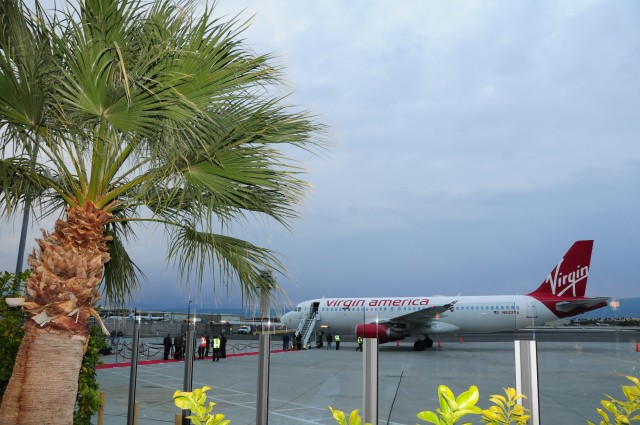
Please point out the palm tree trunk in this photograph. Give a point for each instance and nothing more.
(44, 382)
(61, 294)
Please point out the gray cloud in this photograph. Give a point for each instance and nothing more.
(475, 141)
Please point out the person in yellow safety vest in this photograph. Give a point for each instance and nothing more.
(359, 347)
(216, 349)
(336, 339)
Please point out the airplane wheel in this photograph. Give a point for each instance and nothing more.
(419, 345)
(428, 342)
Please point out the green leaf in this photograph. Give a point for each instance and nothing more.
(429, 416)
(611, 407)
(354, 418)
(468, 398)
(183, 400)
(447, 399)
(338, 415)
(633, 379)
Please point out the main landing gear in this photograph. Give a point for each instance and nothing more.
(421, 344)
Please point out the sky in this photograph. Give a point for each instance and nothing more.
(472, 142)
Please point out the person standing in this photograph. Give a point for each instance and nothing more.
(285, 341)
(337, 340)
(359, 347)
(177, 343)
(167, 346)
(201, 347)
(216, 349)
(223, 346)
(206, 351)
(329, 340)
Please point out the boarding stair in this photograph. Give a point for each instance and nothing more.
(307, 326)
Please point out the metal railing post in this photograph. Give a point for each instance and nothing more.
(527, 378)
(134, 372)
(262, 408)
(370, 381)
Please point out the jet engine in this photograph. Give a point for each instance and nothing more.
(382, 332)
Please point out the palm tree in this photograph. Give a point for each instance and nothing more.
(116, 113)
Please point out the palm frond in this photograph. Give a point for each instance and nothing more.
(157, 114)
(196, 253)
(22, 68)
(121, 275)
(20, 181)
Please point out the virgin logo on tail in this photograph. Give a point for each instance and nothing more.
(569, 277)
(561, 283)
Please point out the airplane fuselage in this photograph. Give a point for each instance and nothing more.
(470, 314)
(560, 295)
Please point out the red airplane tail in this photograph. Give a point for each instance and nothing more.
(568, 279)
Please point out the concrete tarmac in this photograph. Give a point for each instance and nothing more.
(576, 369)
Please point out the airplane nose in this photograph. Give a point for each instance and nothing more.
(287, 319)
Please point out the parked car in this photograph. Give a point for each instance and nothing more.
(244, 330)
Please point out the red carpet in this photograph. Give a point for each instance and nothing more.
(148, 362)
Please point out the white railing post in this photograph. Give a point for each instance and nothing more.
(527, 378)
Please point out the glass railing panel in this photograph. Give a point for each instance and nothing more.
(584, 359)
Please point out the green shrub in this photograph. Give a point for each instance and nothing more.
(195, 401)
(88, 399)
(624, 412)
(354, 417)
(506, 410)
(452, 408)
(11, 320)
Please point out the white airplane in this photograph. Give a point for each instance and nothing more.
(118, 318)
(560, 295)
(150, 318)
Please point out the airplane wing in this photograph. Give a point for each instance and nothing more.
(567, 306)
(421, 317)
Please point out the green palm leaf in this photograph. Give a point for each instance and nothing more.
(157, 116)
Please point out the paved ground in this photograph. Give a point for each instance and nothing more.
(576, 369)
